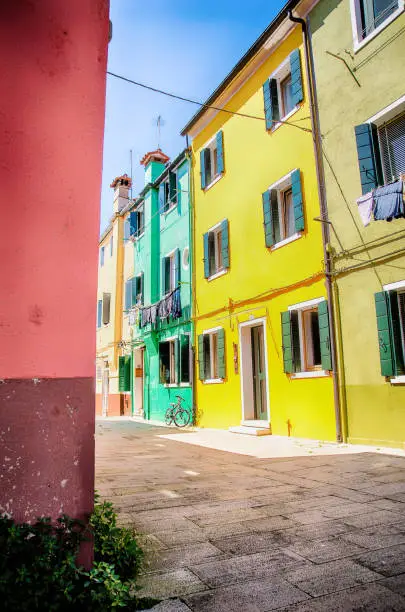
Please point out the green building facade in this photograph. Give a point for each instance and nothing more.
(162, 354)
(359, 50)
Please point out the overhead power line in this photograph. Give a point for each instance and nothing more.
(217, 108)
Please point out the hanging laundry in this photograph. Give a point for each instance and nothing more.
(366, 206)
(389, 202)
(176, 306)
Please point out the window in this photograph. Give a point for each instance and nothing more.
(167, 362)
(381, 150)
(99, 312)
(168, 193)
(216, 249)
(170, 272)
(134, 291)
(283, 91)
(106, 308)
(185, 358)
(283, 209)
(212, 160)
(124, 373)
(111, 246)
(391, 137)
(127, 229)
(305, 335)
(135, 223)
(211, 355)
(370, 14)
(102, 250)
(390, 311)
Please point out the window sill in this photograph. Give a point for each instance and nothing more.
(358, 45)
(169, 210)
(311, 374)
(215, 180)
(213, 381)
(285, 118)
(185, 385)
(217, 274)
(282, 243)
(134, 238)
(170, 385)
(398, 380)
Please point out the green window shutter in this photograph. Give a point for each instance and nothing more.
(135, 289)
(385, 333)
(221, 353)
(172, 188)
(206, 256)
(225, 243)
(176, 361)
(177, 267)
(142, 289)
(297, 200)
(368, 154)
(162, 197)
(202, 168)
(220, 152)
(296, 77)
(133, 223)
(124, 373)
(201, 372)
(287, 342)
(163, 276)
(267, 218)
(271, 106)
(324, 335)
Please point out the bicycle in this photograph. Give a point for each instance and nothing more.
(177, 414)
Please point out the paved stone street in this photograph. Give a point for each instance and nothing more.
(232, 532)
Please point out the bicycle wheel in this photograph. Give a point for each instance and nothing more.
(181, 417)
(169, 416)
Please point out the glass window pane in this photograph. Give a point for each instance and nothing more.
(211, 253)
(184, 358)
(214, 355)
(288, 213)
(207, 356)
(286, 95)
(218, 247)
(383, 9)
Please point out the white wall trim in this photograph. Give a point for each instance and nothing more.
(217, 274)
(214, 180)
(398, 380)
(310, 374)
(393, 286)
(308, 304)
(285, 118)
(213, 381)
(284, 181)
(282, 243)
(355, 9)
(388, 112)
(212, 330)
(252, 323)
(216, 226)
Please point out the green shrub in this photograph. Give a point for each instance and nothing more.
(38, 568)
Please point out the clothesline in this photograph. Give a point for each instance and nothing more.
(383, 203)
(168, 306)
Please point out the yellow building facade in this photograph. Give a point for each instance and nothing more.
(260, 310)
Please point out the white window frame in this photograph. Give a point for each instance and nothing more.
(281, 186)
(171, 256)
(280, 74)
(397, 380)
(138, 302)
(172, 361)
(212, 332)
(355, 11)
(312, 371)
(212, 146)
(383, 116)
(219, 271)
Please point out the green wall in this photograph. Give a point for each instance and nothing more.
(375, 408)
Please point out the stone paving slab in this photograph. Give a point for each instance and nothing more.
(225, 531)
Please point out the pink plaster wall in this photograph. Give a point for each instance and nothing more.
(52, 64)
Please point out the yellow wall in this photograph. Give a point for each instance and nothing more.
(254, 159)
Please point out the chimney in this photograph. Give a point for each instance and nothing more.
(121, 185)
(154, 163)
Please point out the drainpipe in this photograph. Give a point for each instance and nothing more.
(316, 134)
(193, 362)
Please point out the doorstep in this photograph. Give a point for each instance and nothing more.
(250, 430)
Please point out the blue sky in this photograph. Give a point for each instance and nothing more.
(183, 47)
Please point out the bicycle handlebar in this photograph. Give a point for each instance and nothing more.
(179, 397)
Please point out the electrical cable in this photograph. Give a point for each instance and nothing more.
(202, 104)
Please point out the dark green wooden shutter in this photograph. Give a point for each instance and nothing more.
(220, 152)
(297, 200)
(324, 335)
(133, 223)
(221, 353)
(296, 77)
(172, 188)
(206, 256)
(202, 168)
(124, 373)
(135, 286)
(385, 333)
(271, 105)
(201, 371)
(177, 267)
(368, 154)
(163, 273)
(142, 289)
(162, 197)
(267, 219)
(287, 343)
(225, 243)
(176, 361)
